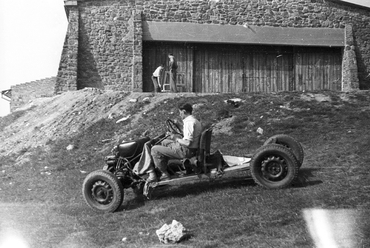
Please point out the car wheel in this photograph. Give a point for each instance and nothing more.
(291, 143)
(274, 166)
(102, 191)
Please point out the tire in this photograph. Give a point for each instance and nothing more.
(291, 143)
(102, 191)
(274, 166)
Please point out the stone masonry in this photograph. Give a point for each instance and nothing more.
(104, 40)
(24, 93)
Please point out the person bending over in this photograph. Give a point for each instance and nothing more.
(177, 147)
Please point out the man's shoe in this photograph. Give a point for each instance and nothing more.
(165, 176)
(197, 167)
(152, 177)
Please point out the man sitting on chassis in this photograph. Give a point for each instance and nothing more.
(177, 147)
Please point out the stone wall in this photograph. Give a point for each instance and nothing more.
(24, 93)
(67, 72)
(106, 41)
(110, 45)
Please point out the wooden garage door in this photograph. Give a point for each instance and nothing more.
(156, 53)
(243, 69)
(214, 68)
(318, 69)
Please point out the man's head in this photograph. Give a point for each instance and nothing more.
(185, 110)
(170, 55)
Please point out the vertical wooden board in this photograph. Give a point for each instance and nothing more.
(322, 71)
(205, 75)
(279, 72)
(331, 76)
(225, 73)
(325, 71)
(190, 70)
(216, 72)
(273, 72)
(256, 70)
(201, 65)
(264, 71)
(316, 77)
(255, 73)
(221, 73)
(238, 70)
(244, 72)
(304, 71)
(298, 72)
(309, 62)
(338, 63)
(270, 69)
(196, 71)
(252, 74)
(232, 81)
(290, 68)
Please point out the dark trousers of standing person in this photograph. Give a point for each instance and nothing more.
(156, 84)
(173, 80)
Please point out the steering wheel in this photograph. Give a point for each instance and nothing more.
(173, 127)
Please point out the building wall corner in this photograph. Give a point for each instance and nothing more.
(350, 80)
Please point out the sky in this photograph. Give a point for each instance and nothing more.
(32, 33)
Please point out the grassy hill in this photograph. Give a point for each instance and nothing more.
(48, 147)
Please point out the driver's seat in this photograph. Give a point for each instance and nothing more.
(204, 148)
(199, 162)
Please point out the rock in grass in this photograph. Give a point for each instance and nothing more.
(173, 233)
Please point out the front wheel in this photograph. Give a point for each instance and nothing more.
(289, 142)
(102, 191)
(274, 166)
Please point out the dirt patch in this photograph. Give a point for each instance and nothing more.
(67, 114)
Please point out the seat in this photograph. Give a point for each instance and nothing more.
(200, 160)
(180, 82)
(204, 148)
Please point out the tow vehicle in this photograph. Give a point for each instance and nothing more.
(274, 165)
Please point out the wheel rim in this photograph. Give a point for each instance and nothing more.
(102, 192)
(274, 168)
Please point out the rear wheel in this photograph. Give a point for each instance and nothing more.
(291, 143)
(274, 166)
(102, 191)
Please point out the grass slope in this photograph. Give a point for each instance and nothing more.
(43, 183)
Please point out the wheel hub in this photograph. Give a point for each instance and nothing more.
(273, 167)
(102, 192)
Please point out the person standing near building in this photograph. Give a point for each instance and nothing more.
(173, 71)
(156, 78)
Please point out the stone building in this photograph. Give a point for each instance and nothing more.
(22, 94)
(220, 45)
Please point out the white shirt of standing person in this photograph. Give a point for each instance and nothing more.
(157, 74)
(157, 71)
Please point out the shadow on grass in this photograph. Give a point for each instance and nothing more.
(306, 178)
(197, 188)
(179, 191)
